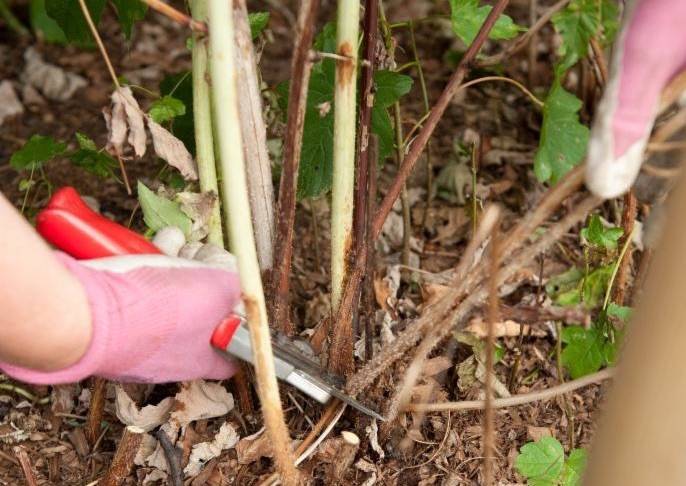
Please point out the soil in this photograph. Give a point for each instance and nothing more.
(447, 447)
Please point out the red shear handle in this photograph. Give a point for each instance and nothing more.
(69, 224)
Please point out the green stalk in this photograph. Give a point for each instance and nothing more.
(11, 20)
(202, 116)
(240, 229)
(345, 119)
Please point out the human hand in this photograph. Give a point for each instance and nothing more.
(152, 315)
(649, 52)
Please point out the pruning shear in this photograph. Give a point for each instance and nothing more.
(70, 225)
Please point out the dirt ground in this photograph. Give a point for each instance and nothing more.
(447, 447)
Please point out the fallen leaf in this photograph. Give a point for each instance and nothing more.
(115, 120)
(9, 103)
(122, 99)
(200, 399)
(372, 431)
(204, 451)
(53, 81)
(198, 206)
(154, 476)
(63, 398)
(171, 149)
(507, 328)
(253, 447)
(147, 418)
(436, 365)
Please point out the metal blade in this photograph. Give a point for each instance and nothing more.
(312, 371)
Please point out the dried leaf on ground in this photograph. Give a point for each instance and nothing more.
(226, 438)
(147, 418)
(53, 81)
(9, 102)
(126, 112)
(253, 447)
(200, 399)
(172, 150)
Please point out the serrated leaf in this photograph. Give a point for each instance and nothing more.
(159, 212)
(44, 25)
(88, 157)
(166, 108)
(584, 352)
(36, 151)
(574, 468)
(258, 22)
(609, 20)
(576, 24)
(468, 17)
(564, 139)
(316, 161)
(541, 462)
(129, 12)
(180, 86)
(69, 17)
(597, 234)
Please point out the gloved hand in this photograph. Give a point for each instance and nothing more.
(152, 315)
(649, 52)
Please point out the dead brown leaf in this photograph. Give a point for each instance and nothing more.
(172, 150)
(200, 399)
(253, 447)
(226, 438)
(147, 418)
(126, 115)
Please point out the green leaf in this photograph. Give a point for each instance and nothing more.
(621, 312)
(166, 108)
(129, 12)
(258, 21)
(69, 17)
(585, 350)
(159, 212)
(44, 25)
(316, 160)
(595, 285)
(576, 24)
(609, 19)
(88, 157)
(574, 468)
(564, 139)
(598, 235)
(180, 87)
(467, 18)
(36, 151)
(541, 462)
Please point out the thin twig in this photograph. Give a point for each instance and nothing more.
(437, 111)
(515, 400)
(24, 393)
(599, 59)
(176, 16)
(520, 42)
(171, 453)
(504, 79)
(7, 457)
(301, 67)
(98, 41)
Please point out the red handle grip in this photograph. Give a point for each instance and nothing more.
(70, 225)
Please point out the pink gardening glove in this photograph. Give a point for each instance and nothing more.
(153, 316)
(649, 52)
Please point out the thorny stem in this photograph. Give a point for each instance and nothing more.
(340, 350)
(176, 16)
(301, 67)
(437, 111)
(202, 118)
(628, 221)
(98, 41)
(240, 230)
(515, 400)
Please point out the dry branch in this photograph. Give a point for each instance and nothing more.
(258, 167)
(26, 467)
(349, 445)
(515, 400)
(301, 67)
(95, 410)
(173, 458)
(175, 15)
(122, 462)
(436, 113)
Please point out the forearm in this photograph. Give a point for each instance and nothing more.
(45, 321)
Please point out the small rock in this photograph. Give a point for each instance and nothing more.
(9, 103)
